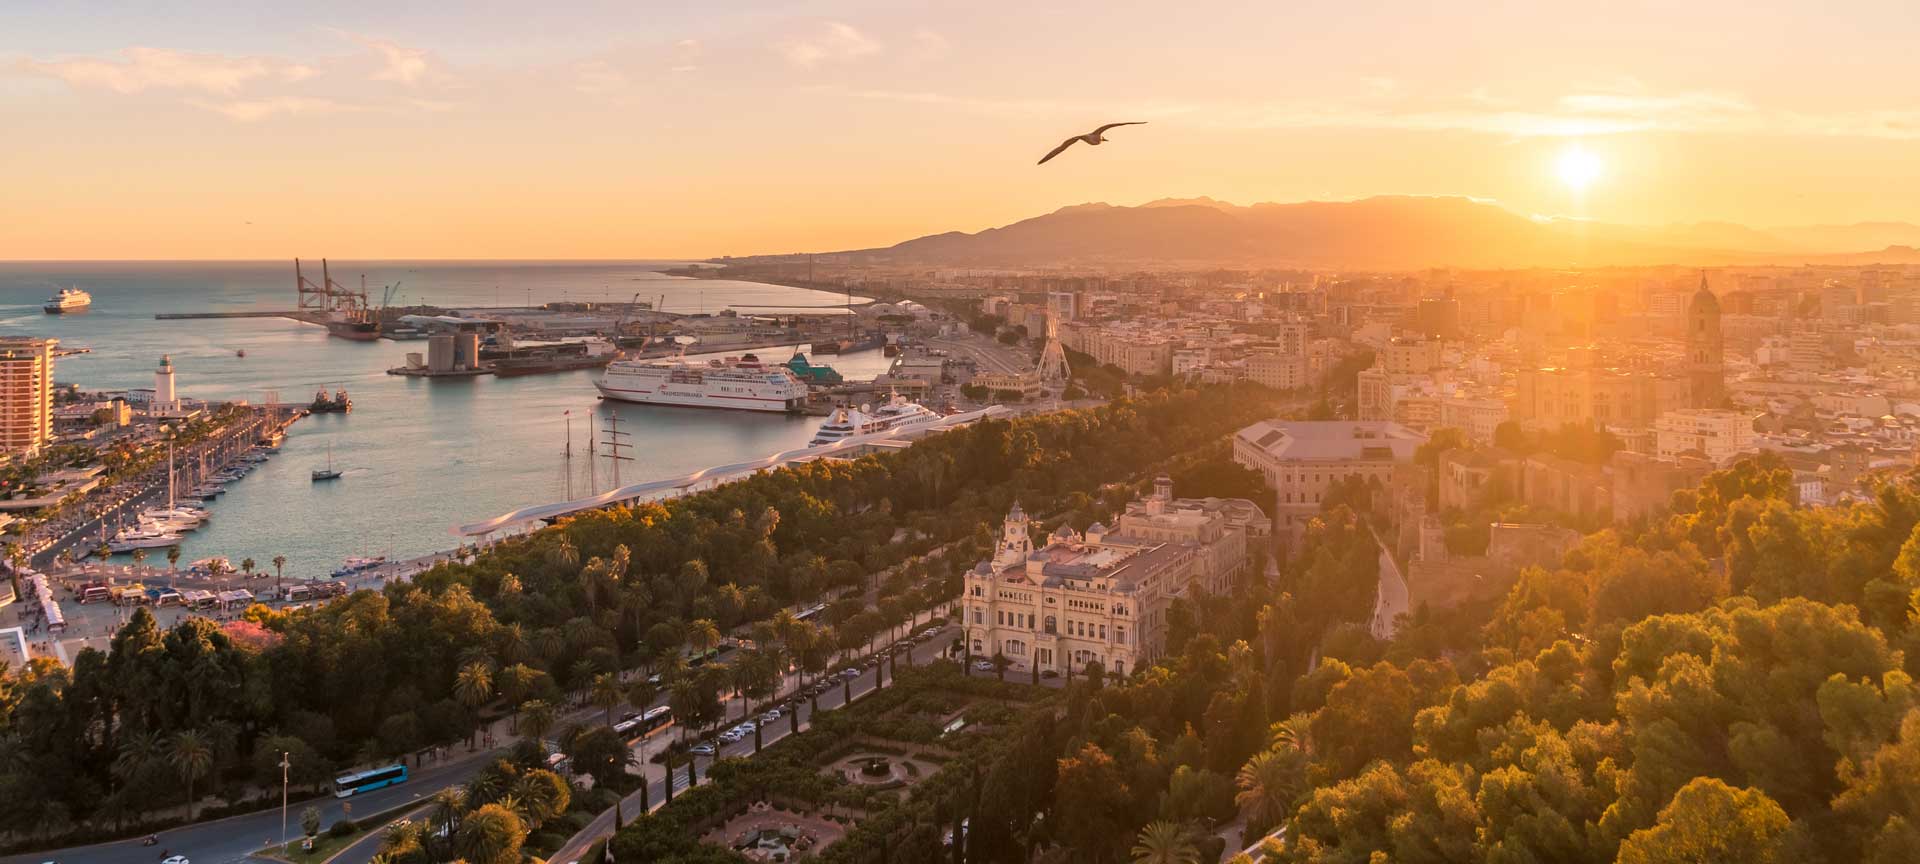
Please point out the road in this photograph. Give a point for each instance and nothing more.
(234, 839)
(602, 826)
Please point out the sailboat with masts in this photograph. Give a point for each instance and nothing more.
(327, 473)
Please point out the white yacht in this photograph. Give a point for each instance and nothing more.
(742, 383)
(898, 413)
(68, 300)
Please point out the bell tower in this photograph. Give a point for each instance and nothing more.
(1706, 369)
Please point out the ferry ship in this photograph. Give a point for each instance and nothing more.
(898, 413)
(68, 300)
(742, 383)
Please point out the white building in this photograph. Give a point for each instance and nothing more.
(1102, 596)
(1719, 435)
(1279, 370)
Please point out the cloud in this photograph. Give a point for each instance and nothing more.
(404, 65)
(833, 42)
(250, 110)
(138, 69)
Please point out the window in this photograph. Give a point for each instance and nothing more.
(1119, 635)
(979, 617)
(1053, 626)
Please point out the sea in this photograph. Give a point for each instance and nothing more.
(420, 456)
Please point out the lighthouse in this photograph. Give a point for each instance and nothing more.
(163, 396)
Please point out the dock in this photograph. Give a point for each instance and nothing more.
(183, 316)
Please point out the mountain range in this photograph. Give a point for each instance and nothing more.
(1386, 233)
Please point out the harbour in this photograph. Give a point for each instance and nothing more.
(429, 453)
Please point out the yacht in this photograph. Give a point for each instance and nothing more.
(898, 413)
(68, 300)
(142, 538)
(327, 473)
(741, 383)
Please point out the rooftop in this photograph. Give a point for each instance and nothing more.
(1333, 440)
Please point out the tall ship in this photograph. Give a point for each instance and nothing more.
(741, 383)
(68, 300)
(898, 413)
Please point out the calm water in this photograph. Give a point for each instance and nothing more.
(420, 455)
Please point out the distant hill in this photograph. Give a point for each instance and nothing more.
(1387, 233)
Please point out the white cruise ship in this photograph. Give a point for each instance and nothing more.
(742, 383)
(898, 413)
(68, 300)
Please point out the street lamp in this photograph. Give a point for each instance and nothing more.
(284, 765)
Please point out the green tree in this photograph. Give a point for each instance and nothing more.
(1709, 822)
(192, 757)
(491, 834)
(310, 821)
(173, 557)
(607, 694)
(1164, 842)
(473, 686)
(1270, 783)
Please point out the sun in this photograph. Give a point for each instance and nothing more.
(1578, 167)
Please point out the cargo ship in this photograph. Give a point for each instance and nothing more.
(740, 383)
(338, 403)
(592, 353)
(358, 325)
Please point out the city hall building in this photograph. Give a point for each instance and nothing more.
(1102, 596)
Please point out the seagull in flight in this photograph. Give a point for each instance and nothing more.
(1093, 139)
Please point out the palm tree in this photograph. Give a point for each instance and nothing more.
(16, 560)
(246, 566)
(102, 552)
(703, 635)
(193, 758)
(1164, 842)
(279, 564)
(1269, 784)
(536, 718)
(448, 805)
(606, 694)
(173, 557)
(139, 555)
(473, 686)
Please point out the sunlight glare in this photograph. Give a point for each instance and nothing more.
(1578, 167)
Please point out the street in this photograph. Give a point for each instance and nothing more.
(602, 825)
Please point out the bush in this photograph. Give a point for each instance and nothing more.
(342, 828)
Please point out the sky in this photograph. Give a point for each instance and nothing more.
(649, 129)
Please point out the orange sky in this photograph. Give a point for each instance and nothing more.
(622, 130)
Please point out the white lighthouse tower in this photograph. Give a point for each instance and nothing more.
(163, 395)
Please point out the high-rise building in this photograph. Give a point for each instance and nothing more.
(26, 394)
(1706, 367)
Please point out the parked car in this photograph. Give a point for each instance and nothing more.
(701, 749)
(850, 673)
(770, 716)
(983, 665)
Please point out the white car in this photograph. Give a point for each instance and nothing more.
(701, 750)
(983, 665)
(175, 859)
(770, 716)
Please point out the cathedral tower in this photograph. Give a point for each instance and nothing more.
(1706, 370)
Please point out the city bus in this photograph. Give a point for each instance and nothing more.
(656, 719)
(636, 726)
(348, 785)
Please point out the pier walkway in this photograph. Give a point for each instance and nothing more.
(707, 478)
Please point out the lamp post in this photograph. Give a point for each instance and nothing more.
(284, 765)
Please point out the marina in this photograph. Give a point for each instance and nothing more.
(428, 453)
